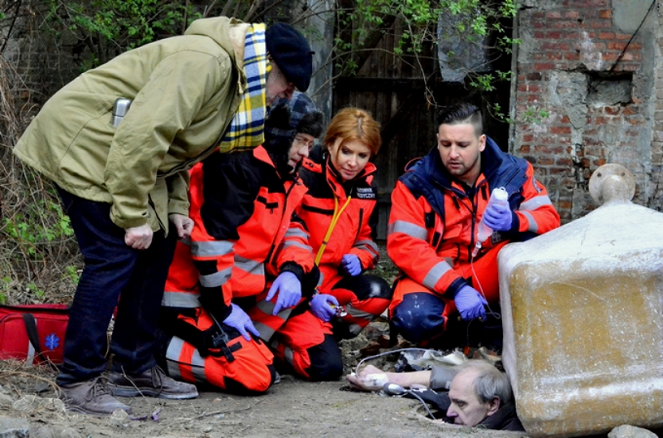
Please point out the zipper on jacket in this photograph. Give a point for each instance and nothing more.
(475, 208)
(268, 259)
(361, 219)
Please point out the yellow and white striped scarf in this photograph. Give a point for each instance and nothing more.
(246, 130)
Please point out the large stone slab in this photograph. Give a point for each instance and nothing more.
(583, 325)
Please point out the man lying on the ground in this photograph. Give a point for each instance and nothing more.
(480, 395)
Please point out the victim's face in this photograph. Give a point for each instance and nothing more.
(466, 408)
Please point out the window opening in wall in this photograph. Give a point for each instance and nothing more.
(606, 89)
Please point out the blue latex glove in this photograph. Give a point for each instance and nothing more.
(290, 291)
(320, 306)
(240, 321)
(469, 303)
(351, 264)
(498, 217)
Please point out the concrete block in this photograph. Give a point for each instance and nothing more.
(583, 318)
(627, 431)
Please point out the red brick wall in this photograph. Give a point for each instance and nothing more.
(567, 45)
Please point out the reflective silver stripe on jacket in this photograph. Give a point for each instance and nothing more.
(368, 245)
(296, 232)
(534, 203)
(211, 248)
(288, 243)
(411, 230)
(250, 266)
(533, 226)
(180, 299)
(435, 273)
(216, 279)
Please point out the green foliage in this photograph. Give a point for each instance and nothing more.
(534, 115)
(38, 292)
(486, 82)
(475, 21)
(106, 28)
(530, 115)
(73, 274)
(5, 284)
(29, 230)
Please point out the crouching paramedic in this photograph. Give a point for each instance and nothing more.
(436, 207)
(336, 210)
(243, 237)
(339, 212)
(304, 345)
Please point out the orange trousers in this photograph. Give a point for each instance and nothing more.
(250, 372)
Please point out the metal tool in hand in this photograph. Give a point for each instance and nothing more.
(339, 310)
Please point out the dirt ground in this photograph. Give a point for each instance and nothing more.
(292, 408)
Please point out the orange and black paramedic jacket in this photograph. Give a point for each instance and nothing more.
(433, 220)
(355, 228)
(243, 233)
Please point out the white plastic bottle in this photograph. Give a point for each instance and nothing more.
(499, 196)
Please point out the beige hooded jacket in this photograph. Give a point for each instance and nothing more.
(184, 91)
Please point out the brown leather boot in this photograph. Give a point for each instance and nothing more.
(151, 383)
(90, 397)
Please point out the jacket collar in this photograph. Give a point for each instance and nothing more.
(261, 154)
(504, 419)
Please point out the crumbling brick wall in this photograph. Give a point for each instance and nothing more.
(592, 66)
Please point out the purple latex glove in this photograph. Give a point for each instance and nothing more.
(290, 291)
(469, 303)
(320, 306)
(498, 217)
(240, 321)
(351, 264)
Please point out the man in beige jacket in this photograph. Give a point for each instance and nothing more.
(124, 184)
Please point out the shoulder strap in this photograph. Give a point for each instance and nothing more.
(31, 329)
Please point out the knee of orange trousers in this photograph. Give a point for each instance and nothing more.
(319, 363)
(365, 298)
(359, 291)
(306, 344)
(251, 371)
(420, 316)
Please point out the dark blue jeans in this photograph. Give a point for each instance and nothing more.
(112, 271)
